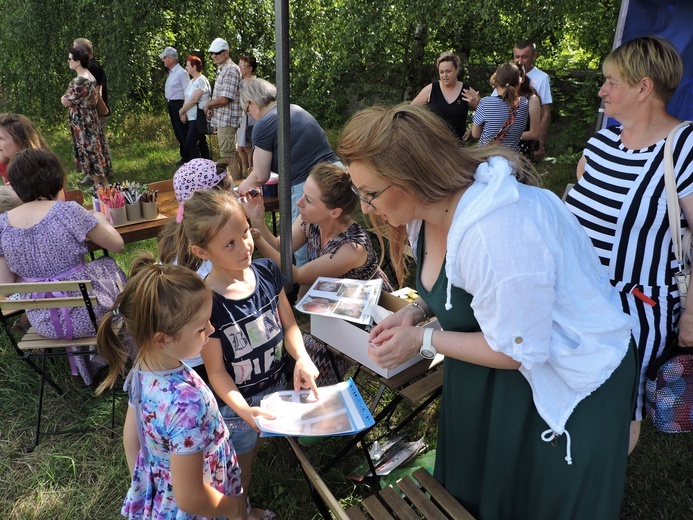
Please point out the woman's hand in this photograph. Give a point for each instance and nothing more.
(407, 316)
(686, 326)
(394, 346)
(305, 374)
(254, 206)
(472, 97)
(250, 413)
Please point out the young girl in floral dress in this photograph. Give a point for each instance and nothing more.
(177, 446)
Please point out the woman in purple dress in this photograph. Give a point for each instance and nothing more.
(44, 239)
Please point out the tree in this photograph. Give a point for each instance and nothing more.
(344, 53)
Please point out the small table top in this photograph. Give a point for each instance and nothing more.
(168, 207)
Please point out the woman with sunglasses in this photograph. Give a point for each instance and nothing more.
(338, 246)
(309, 144)
(92, 156)
(539, 370)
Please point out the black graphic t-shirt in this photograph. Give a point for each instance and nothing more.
(250, 331)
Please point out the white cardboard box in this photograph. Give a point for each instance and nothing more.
(353, 341)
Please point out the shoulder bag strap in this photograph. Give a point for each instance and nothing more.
(673, 206)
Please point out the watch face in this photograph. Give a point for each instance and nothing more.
(427, 353)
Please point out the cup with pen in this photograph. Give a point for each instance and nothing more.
(112, 198)
(132, 193)
(150, 208)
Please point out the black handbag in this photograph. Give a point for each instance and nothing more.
(202, 123)
(248, 132)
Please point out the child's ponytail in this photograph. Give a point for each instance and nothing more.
(156, 298)
(111, 349)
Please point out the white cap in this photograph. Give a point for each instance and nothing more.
(169, 51)
(218, 45)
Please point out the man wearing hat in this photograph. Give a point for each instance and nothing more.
(176, 83)
(224, 110)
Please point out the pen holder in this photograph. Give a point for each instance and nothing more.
(133, 211)
(118, 216)
(150, 210)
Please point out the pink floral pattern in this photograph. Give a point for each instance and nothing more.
(91, 153)
(176, 414)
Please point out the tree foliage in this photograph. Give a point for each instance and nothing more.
(344, 53)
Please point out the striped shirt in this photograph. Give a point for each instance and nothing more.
(492, 113)
(621, 203)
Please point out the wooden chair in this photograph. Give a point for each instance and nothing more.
(75, 196)
(420, 496)
(32, 345)
(166, 185)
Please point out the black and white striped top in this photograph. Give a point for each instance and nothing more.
(620, 201)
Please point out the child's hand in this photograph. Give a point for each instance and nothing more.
(251, 413)
(305, 374)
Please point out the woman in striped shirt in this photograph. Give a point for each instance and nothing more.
(502, 119)
(620, 200)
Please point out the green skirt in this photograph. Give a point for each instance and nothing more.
(491, 456)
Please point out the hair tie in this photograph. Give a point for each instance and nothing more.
(179, 213)
(507, 85)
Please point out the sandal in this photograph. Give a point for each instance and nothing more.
(21, 326)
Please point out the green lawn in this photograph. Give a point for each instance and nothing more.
(86, 477)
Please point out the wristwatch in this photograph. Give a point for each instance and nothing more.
(427, 350)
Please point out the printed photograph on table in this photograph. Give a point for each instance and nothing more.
(314, 305)
(340, 411)
(342, 298)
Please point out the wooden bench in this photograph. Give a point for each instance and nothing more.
(420, 496)
(33, 345)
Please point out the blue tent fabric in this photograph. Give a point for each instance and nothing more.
(670, 19)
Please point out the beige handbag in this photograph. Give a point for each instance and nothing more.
(682, 242)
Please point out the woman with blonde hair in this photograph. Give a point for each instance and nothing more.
(449, 97)
(619, 197)
(539, 366)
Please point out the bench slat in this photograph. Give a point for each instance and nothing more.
(355, 513)
(35, 342)
(396, 503)
(45, 303)
(441, 496)
(427, 508)
(30, 287)
(424, 387)
(376, 509)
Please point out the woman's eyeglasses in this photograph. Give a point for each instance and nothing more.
(367, 200)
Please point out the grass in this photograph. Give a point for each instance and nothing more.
(86, 477)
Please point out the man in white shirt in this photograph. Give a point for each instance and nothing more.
(525, 52)
(176, 83)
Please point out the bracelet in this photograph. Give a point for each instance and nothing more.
(426, 317)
